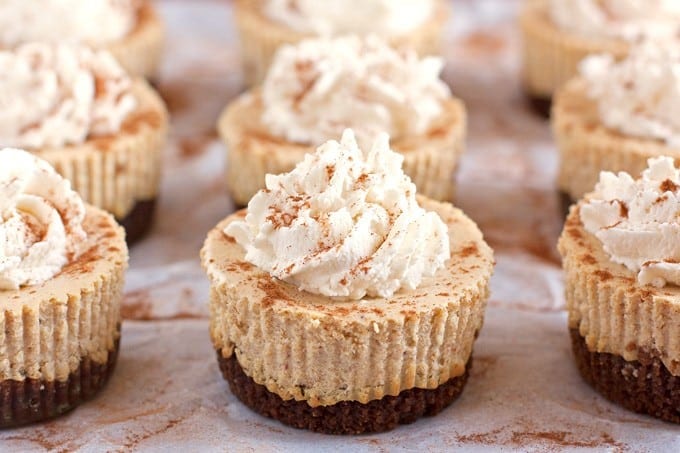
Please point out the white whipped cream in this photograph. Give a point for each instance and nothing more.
(94, 22)
(638, 221)
(333, 17)
(630, 20)
(316, 89)
(344, 223)
(59, 95)
(639, 96)
(40, 220)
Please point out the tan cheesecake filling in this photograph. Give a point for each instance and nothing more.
(620, 254)
(418, 335)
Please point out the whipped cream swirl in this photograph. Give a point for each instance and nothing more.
(333, 17)
(320, 86)
(344, 223)
(93, 22)
(638, 221)
(41, 220)
(639, 96)
(59, 95)
(630, 20)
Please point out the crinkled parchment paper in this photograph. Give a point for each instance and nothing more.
(524, 392)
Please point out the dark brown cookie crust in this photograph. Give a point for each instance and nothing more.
(138, 222)
(539, 104)
(566, 201)
(346, 417)
(645, 385)
(33, 400)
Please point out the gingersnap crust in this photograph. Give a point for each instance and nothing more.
(344, 417)
(33, 400)
(540, 105)
(139, 221)
(644, 385)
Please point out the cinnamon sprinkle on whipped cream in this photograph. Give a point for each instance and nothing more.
(317, 88)
(41, 220)
(639, 96)
(57, 95)
(344, 223)
(638, 221)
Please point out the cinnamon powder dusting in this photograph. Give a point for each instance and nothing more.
(603, 275)
(668, 186)
(588, 259)
(272, 292)
(470, 250)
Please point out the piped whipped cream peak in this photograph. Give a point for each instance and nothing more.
(639, 96)
(638, 221)
(318, 87)
(41, 220)
(344, 223)
(92, 22)
(630, 20)
(333, 17)
(57, 95)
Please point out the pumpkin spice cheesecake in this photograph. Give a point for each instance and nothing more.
(616, 115)
(621, 253)
(316, 89)
(266, 25)
(101, 129)
(558, 34)
(130, 29)
(340, 301)
(62, 267)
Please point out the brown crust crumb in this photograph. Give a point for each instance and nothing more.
(138, 221)
(33, 400)
(345, 417)
(645, 385)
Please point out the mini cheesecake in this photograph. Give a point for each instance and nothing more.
(120, 172)
(430, 159)
(261, 36)
(551, 55)
(59, 339)
(625, 336)
(347, 367)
